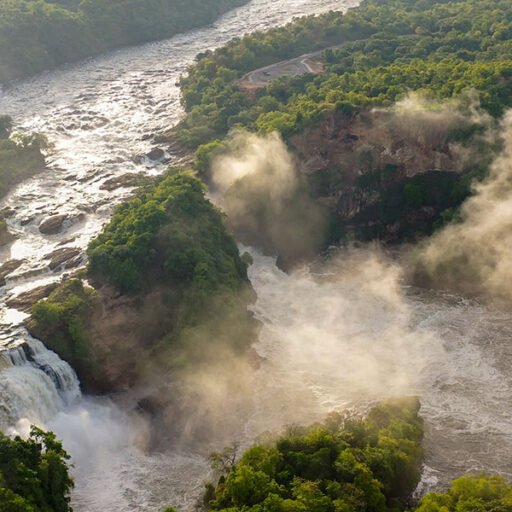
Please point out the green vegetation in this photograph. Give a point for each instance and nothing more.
(40, 34)
(168, 232)
(338, 466)
(34, 474)
(380, 51)
(20, 155)
(170, 271)
(473, 493)
(62, 320)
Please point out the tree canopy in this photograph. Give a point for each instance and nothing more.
(341, 465)
(40, 34)
(374, 55)
(34, 474)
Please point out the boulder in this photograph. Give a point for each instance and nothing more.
(129, 179)
(8, 268)
(25, 301)
(6, 237)
(53, 224)
(155, 154)
(69, 257)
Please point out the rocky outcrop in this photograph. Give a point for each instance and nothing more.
(52, 225)
(174, 297)
(129, 179)
(156, 154)
(65, 257)
(24, 301)
(8, 268)
(384, 176)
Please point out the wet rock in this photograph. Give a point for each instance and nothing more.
(52, 225)
(68, 257)
(6, 237)
(129, 179)
(155, 154)
(67, 241)
(89, 176)
(8, 268)
(7, 212)
(25, 301)
(26, 220)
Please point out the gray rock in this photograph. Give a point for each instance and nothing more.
(68, 257)
(129, 179)
(155, 154)
(25, 301)
(52, 225)
(7, 268)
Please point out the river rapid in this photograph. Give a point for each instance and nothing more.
(336, 336)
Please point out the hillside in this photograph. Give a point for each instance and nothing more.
(40, 35)
(389, 131)
(169, 298)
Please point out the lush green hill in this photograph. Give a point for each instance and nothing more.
(36, 35)
(384, 49)
(407, 88)
(171, 291)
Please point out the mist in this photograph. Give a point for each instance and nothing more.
(266, 198)
(473, 255)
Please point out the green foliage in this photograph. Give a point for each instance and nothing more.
(168, 232)
(39, 34)
(340, 465)
(379, 52)
(34, 474)
(20, 155)
(61, 321)
(168, 249)
(474, 493)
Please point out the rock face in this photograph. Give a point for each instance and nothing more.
(25, 301)
(380, 175)
(156, 154)
(52, 225)
(129, 179)
(8, 268)
(67, 257)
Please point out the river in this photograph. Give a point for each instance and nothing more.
(327, 343)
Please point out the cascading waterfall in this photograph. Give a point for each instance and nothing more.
(34, 384)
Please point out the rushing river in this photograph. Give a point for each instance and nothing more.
(333, 338)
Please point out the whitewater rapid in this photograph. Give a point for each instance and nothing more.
(332, 338)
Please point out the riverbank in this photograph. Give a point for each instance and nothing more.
(35, 40)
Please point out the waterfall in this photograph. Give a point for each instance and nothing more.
(34, 384)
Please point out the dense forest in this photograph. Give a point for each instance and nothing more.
(375, 54)
(380, 62)
(341, 465)
(36, 35)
